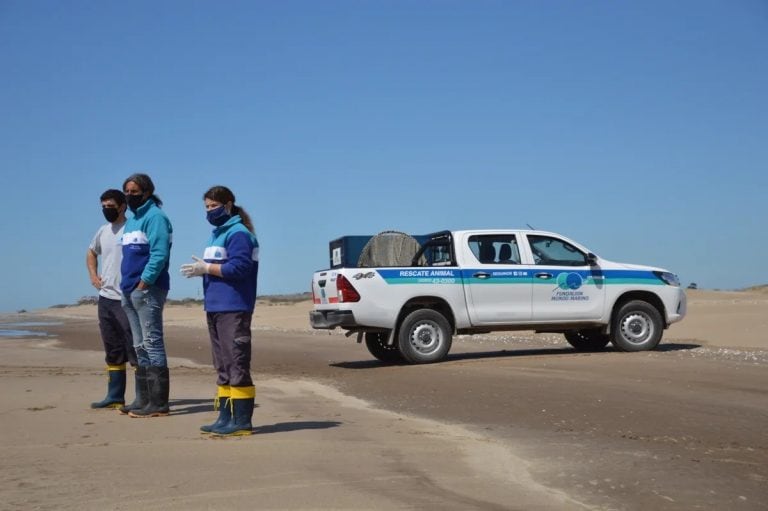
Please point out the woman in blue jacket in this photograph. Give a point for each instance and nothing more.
(145, 283)
(229, 268)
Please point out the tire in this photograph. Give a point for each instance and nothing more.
(587, 340)
(376, 342)
(636, 326)
(424, 337)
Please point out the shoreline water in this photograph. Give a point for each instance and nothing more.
(15, 326)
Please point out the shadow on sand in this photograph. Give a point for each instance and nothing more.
(284, 427)
(676, 346)
(190, 406)
(374, 364)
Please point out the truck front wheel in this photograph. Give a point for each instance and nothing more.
(636, 326)
(424, 336)
(376, 342)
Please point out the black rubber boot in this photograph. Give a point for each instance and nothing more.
(242, 399)
(142, 391)
(158, 384)
(115, 388)
(224, 405)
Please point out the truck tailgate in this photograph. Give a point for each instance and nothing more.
(324, 292)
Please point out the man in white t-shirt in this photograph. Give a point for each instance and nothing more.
(113, 323)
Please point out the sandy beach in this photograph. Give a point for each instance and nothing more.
(513, 421)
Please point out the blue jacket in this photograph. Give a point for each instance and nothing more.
(236, 249)
(146, 248)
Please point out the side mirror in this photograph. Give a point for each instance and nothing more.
(592, 259)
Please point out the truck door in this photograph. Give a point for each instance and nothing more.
(498, 288)
(565, 286)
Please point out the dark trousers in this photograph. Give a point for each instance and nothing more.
(115, 333)
(230, 334)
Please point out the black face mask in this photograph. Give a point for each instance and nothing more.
(111, 214)
(134, 201)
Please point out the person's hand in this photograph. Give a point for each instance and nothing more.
(96, 281)
(196, 269)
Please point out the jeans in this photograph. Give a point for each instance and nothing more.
(144, 308)
(115, 333)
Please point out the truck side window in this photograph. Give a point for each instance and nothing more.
(495, 248)
(549, 251)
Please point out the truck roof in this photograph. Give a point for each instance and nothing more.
(490, 231)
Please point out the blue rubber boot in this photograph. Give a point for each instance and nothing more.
(242, 402)
(223, 405)
(115, 388)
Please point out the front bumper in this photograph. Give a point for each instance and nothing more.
(332, 319)
(680, 308)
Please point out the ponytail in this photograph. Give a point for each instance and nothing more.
(246, 218)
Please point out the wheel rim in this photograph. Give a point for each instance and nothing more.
(637, 328)
(425, 337)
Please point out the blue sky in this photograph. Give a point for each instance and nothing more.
(639, 129)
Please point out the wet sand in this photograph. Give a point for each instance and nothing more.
(513, 421)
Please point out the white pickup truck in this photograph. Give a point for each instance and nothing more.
(407, 296)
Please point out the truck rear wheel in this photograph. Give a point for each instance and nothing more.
(425, 336)
(376, 342)
(587, 340)
(636, 326)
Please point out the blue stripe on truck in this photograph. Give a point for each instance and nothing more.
(512, 276)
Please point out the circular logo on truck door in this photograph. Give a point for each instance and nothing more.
(567, 281)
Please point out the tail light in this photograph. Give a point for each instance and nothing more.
(345, 291)
(312, 288)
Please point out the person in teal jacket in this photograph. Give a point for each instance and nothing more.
(145, 282)
(229, 268)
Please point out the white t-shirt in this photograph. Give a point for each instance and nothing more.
(106, 244)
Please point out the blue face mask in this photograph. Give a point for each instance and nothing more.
(218, 216)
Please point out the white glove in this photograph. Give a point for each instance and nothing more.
(196, 269)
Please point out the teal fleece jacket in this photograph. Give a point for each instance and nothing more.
(147, 238)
